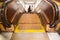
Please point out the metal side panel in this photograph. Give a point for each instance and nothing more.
(6, 35)
(2, 37)
(53, 36)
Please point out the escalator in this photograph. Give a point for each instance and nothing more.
(29, 25)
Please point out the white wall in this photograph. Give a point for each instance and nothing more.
(27, 3)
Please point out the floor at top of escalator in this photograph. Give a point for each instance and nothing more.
(8, 35)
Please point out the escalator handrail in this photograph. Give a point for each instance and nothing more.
(56, 13)
(4, 19)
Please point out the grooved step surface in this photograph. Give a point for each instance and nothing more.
(29, 22)
(30, 36)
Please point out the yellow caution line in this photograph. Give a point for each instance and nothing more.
(29, 31)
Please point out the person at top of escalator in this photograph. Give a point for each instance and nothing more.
(29, 9)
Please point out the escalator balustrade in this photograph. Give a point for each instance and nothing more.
(11, 12)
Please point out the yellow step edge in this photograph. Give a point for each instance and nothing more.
(29, 30)
(41, 30)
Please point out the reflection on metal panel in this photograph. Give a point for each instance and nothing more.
(53, 36)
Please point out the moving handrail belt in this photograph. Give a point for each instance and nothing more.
(4, 20)
(55, 21)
